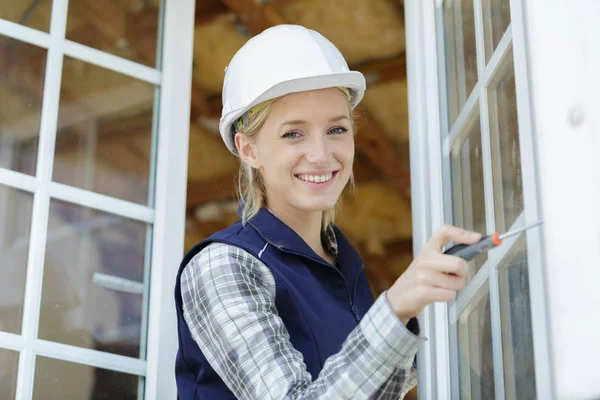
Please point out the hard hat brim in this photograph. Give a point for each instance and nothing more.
(353, 80)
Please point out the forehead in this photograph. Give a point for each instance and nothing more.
(312, 104)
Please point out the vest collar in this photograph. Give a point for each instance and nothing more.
(280, 235)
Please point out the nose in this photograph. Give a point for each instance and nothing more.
(317, 151)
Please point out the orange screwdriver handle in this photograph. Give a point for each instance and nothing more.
(469, 251)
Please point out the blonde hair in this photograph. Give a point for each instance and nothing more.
(251, 188)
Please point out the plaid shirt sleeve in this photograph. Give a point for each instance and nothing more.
(229, 306)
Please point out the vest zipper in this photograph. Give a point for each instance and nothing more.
(354, 308)
(351, 298)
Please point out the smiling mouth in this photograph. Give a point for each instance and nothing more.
(322, 178)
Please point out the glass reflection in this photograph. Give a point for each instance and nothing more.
(93, 280)
(16, 207)
(22, 70)
(104, 143)
(57, 379)
(468, 198)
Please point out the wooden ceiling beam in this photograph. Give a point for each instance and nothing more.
(215, 189)
(208, 10)
(106, 15)
(257, 17)
(383, 71)
(377, 265)
(382, 152)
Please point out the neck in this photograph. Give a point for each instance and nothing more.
(306, 224)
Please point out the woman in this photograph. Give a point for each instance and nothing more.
(277, 305)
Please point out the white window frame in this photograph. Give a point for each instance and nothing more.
(429, 154)
(168, 188)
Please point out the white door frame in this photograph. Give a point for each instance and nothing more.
(559, 120)
(170, 200)
(173, 75)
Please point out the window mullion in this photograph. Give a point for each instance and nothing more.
(489, 203)
(41, 203)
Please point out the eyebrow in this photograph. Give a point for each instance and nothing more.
(300, 121)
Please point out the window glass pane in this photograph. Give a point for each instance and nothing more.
(22, 70)
(496, 18)
(461, 57)
(126, 29)
(475, 357)
(34, 14)
(57, 379)
(517, 338)
(93, 280)
(9, 365)
(506, 154)
(15, 213)
(105, 132)
(468, 200)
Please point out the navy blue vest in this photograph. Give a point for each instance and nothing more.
(318, 303)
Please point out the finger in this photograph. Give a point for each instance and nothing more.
(438, 294)
(448, 264)
(455, 234)
(445, 281)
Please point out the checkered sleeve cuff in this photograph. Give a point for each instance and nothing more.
(389, 336)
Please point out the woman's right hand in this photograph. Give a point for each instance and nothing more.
(432, 276)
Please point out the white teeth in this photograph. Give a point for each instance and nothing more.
(316, 178)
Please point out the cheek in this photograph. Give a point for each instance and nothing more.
(280, 165)
(346, 151)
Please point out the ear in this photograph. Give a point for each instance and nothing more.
(246, 150)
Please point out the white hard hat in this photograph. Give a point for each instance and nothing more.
(281, 60)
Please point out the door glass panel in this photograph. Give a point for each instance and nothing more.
(93, 280)
(496, 18)
(517, 338)
(468, 200)
(461, 58)
(476, 361)
(57, 379)
(15, 215)
(22, 70)
(9, 365)
(33, 14)
(506, 154)
(105, 132)
(125, 29)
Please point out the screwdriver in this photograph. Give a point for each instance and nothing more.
(469, 251)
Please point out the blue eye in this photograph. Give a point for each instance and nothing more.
(338, 130)
(291, 135)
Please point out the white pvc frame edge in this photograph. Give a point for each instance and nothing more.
(89, 357)
(531, 195)
(565, 127)
(41, 202)
(24, 34)
(427, 199)
(101, 202)
(111, 62)
(18, 180)
(171, 185)
(82, 52)
(77, 196)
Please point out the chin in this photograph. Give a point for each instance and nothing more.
(310, 205)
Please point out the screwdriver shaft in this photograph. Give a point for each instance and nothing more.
(519, 230)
